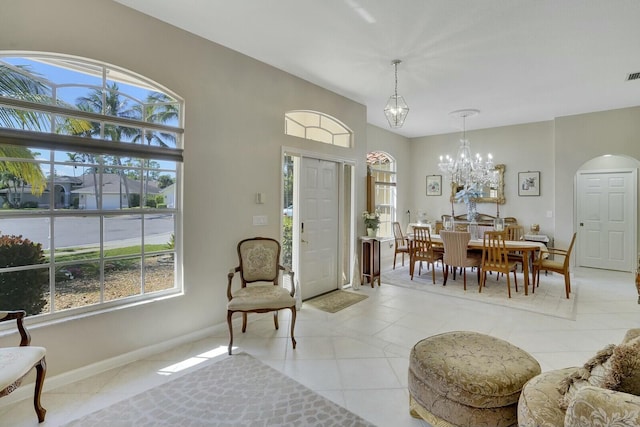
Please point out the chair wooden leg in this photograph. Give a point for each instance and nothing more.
(508, 284)
(445, 271)
(464, 274)
(293, 324)
(515, 278)
(275, 319)
(229, 314)
(244, 322)
(41, 371)
(394, 260)
(567, 284)
(483, 278)
(433, 273)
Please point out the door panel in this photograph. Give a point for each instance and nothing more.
(606, 220)
(318, 227)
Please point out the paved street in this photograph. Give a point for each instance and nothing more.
(79, 231)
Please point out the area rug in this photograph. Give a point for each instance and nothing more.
(548, 299)
(335, 301)
(237, 391)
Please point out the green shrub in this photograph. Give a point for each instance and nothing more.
(26, 289)
(150, 203)
(287, 239)
(159, 199)
(161, 206)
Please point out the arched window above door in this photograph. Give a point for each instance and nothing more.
(317, 127)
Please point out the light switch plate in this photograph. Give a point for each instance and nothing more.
(259, 220)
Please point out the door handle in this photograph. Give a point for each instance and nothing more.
(582, 224)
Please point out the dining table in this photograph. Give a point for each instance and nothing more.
(527, 248)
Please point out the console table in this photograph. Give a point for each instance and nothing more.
(370, 260)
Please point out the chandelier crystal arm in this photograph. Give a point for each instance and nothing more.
(470, 172)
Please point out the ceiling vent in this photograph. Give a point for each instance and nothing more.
(633, 76)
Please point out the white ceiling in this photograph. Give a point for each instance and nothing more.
(517, 61)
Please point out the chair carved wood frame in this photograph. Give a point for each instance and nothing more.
(17, 362)
(259, 262)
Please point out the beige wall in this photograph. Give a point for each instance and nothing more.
(233, 137)
(520, 148)
(557, 148)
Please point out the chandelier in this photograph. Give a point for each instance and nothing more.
(465, 170)
(396, 109)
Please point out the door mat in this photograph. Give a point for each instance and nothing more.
(335, 301)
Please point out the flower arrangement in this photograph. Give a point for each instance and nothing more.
(371, 219)
(468, 193)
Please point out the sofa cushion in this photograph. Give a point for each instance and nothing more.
(595, 406)
(538, 404)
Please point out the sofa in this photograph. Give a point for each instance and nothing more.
(605, 391)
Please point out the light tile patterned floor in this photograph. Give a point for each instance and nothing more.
(358, 357)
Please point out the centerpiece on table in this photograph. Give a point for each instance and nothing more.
(371, 222)
(469, 195)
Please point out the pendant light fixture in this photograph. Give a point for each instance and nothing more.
(396, 109)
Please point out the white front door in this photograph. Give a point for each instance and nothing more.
(318, 227)
(606, 219)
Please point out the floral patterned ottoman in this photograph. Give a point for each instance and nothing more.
(468, 379)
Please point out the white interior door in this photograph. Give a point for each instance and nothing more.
(606, 217)
(318, 224)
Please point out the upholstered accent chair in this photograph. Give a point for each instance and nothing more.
(401, 243)
(17, 362)
(456, 254)
(495, 257)
(260, 291)
(555, 265)
(422, 249)
(605, 391)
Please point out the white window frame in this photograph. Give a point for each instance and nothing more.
(59, 142)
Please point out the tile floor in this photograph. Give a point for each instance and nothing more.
(358, 357)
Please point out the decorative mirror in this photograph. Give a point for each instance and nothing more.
(492, 194)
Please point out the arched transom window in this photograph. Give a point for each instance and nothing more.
(317, 127)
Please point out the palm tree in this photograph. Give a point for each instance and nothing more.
(110, 105)
(17, 83)
(158, 108)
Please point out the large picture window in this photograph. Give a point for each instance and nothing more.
(90, 160)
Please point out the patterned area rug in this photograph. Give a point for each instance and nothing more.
(237, 391)
(335, 301)
(549, 298)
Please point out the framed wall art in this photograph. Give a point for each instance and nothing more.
(434, 185)
(529, 183)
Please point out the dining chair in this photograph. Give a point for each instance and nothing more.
(547, 264)
(456, 254)
(260, 291)
(401, 243)
(422, 249)
(17, 362)
(516, 232)
(495, 257)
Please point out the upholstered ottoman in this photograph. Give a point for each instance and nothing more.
(468, 379)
